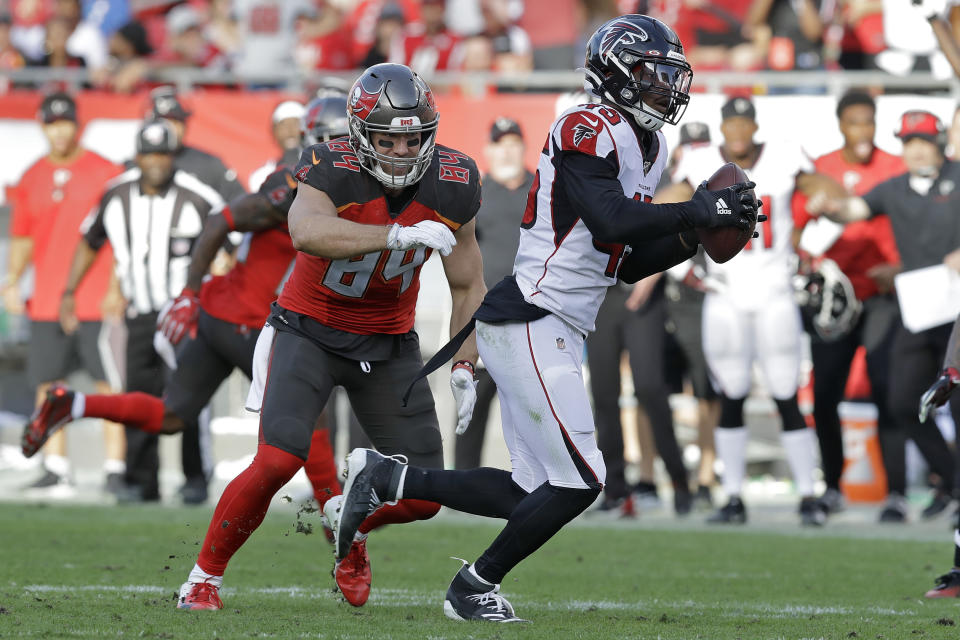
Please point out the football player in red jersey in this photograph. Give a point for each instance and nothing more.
(369, 212)
(222, 317)
(948, 585)
(867, 254)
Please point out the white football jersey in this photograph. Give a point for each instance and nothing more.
(766, 265)
(559, 266)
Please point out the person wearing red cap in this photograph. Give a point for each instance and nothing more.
(921, 205)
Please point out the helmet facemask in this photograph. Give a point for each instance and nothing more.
(393, 172)
(653, 89)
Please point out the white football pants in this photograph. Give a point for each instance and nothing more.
(546, 415)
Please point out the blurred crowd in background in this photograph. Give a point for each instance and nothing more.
(120, 42)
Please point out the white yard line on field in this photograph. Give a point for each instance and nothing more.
(408, 597)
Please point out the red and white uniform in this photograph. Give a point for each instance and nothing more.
(749, 313)
(49, 204)
(859, 246)
(559, 266)
(537, 365)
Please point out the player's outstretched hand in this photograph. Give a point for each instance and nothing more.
(427, 233)
(733, 206)
(180, 318)
(939, 392)
(464, 389)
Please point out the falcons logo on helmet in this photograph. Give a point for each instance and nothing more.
(621, 31)
(582, 132)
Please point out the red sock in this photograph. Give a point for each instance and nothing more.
(403, 511)
(136, 409)
(320, 468)
(244, 504)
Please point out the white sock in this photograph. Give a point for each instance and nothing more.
(79, 405)
(114, 466)
(731, 444)
(802, 458)
(57, 464)
(403, 478)
(199, 575)
(476, 575)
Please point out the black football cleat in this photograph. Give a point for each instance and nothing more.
(471, 599)
(731, 513)
(371, 481)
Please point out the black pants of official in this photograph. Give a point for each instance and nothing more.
(875, 330)
(915, 361)
(643, 335)
(147, 372)
(469, 446)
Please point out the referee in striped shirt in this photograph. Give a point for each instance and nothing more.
(151, 214)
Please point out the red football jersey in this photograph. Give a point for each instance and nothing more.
(264, 260)
(375, 293)
(865, 244)
(49, 204)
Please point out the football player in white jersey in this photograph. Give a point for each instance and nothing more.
(588, 222)
(749, 313)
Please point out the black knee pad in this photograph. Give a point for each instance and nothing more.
(790, 414)
(731, 413)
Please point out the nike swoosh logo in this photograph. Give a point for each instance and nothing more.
(314, 154)
(592, 123)
(290, 181)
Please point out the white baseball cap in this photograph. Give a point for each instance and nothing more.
(286, 110)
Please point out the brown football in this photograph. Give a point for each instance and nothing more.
(722, 243)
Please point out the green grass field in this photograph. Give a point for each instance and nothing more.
(113, 572)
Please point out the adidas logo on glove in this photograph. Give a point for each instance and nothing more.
(722, 208)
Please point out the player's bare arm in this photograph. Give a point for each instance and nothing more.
(83, 258)
(315, 228)
(21, 251)
(251, 212)
(464, 271)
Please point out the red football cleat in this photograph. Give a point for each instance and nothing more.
(352, 574)
(47, 419)
(199, 596)
(948, 586)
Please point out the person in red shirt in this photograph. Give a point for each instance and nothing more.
(428, 45)
(222, 317)
(866, 253)
(49, 204)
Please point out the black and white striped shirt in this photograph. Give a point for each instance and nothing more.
(152, 236)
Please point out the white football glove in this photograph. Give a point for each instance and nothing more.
(427, 233)
(464, 389)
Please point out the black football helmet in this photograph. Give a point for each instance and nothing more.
(636, 62)
(325, 118)
(391, 98)
(826, 299)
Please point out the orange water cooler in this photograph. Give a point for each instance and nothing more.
(864, 478)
